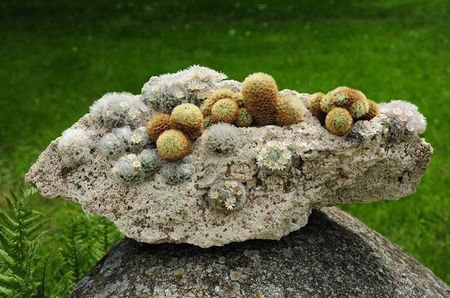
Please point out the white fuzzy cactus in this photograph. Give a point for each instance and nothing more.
(227, 196)
(191, 85)
(177, 172)
(405, 114)
(221, 138)
(111, 145)
(128, 169)
(275, 156)
(118, 109)
(150, 161)
(74, 147)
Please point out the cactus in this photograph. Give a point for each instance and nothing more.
(207, 121)
(275, 156)
(224, 110)
(374, 110)
(260, 93)
(119, 109)
(405, 118)
(188, 118)
(74, 147)
(314, 106)
(158, 125)
(138, 139)
(328, 102)
(128, 169)
(345, 96)
(239, 98)
(177, 172)
(359, 108)
(173, 145)
(213, 98)
(221, 139)
(150, 161)
(111, 145)
(290, 110)
(338, 121)
(243, 118)
(227, 196)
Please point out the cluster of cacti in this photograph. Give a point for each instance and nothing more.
(119, 109)
(192, 85)
(177, 172)
(263, 102)
(227, 196)
(199, 99)
(275, 156)
(74, 147)
(221, 138)
(135, 168)
(405, 117)
(339, 108)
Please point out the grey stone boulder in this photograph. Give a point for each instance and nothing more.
(333, 255)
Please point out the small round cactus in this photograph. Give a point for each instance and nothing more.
(275, 156)
(138, 139)
(359, 108)
(328, 102)
(338, 121)
(221, 139)
(227, 196)
(314, 106)
(74, 147)
(150, 161)
(224, 110)
(188, 118)
(243, 118)
(158, 125)
(128, 169)
(290, 110)
(260, 93)
(374, 110)
(345, 96)
(177, 172)
(217, 95)
(111, 145)
(173, 145)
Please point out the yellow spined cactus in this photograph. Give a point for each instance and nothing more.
(158, 125)
(239, 98)
(359, 108)
(338, 121)
(314, 106)
(345, 96)
(224, 110)
(374, 110)
(290, 110)
(217, 95)
(260, 94)
(243, 118)
(173, 145)
(327, 102)
(188, 118)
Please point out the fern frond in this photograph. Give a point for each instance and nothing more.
(6, 259)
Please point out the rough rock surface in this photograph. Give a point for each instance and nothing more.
(335, 255)
(367, 164)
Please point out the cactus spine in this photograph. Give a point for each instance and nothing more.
(173, 145)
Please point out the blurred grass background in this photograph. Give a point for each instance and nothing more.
(58, 56)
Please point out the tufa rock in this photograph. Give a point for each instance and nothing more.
(383, 158)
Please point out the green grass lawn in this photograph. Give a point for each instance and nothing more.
(57, 58)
